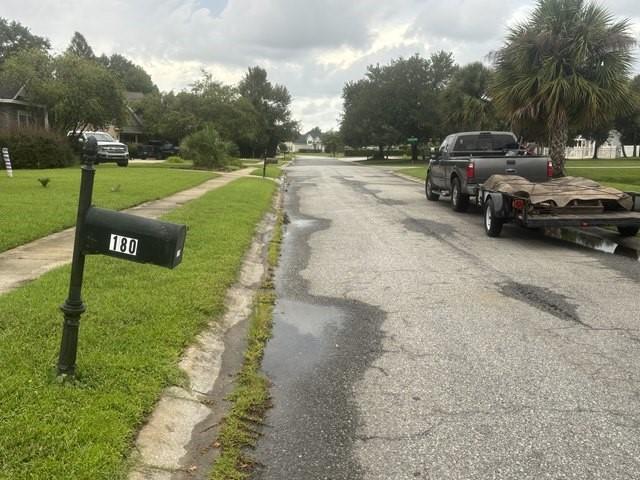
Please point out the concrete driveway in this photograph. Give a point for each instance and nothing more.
(407, 344)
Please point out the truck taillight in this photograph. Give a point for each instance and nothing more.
(471, 170)
(549, 169)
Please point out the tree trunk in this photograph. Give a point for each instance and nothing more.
(595, 151)
(624, 153)
(557, 144)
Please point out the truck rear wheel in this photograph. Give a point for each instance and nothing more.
(459, 201)
(628, 230)
(428, 188)
(492, 225)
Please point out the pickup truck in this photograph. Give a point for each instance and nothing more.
(466, 160)
(109, 149)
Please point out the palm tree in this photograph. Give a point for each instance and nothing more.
(467, 101)
(568, 64)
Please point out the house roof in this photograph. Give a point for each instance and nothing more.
(9, 92)
(303, 138)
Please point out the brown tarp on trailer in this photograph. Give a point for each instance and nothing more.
(560, 191)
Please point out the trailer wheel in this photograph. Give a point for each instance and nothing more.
(628, 230)
(428, 188)
(459, 201)
(492, 224)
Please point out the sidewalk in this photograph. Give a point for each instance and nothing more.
(27, 262)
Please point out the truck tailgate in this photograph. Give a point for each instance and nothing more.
(531, 168)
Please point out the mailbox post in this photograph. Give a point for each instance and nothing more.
(413, 141)
(73, 306)
(115, 234)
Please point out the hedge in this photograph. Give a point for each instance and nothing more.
(308, 150)
(37, 148)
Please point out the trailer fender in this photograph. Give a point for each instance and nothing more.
(498, 204)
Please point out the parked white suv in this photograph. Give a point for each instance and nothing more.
(109, 150)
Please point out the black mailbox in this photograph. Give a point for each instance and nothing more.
(134, 238)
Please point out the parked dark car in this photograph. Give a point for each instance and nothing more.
(159, 149)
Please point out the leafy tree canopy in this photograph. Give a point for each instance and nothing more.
(15, 37)
(568, 64)
(80, 47)
(133, 77)
(396, 101)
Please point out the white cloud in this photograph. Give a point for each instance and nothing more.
(313, 47)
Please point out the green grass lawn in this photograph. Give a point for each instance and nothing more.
(626, 179)
(606, 163)
(29, 211)
(139, 320)
(273, 171)
(418, 172)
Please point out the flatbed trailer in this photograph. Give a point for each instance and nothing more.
(499, 208)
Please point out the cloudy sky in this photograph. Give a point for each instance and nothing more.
(312, 47)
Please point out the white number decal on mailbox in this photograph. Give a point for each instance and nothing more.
(125, 245)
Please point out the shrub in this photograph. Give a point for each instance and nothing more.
(174, 159)
(205, 148)
(133, 149)
(37, 148)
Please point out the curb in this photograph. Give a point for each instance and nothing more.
(406, 177)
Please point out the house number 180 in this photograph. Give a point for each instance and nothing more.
(126, 245)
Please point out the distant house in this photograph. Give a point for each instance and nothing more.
(308, 141)
(16, 112)
(132, 130)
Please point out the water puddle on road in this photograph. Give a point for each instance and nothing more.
(583, 239)
(304, 334)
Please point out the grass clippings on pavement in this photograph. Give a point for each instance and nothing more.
(139, 320)
(250, 398)
(29, 211)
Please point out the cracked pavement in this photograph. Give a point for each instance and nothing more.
(407, 344)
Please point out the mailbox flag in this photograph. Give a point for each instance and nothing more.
(7, 162)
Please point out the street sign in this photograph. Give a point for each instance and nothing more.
(412, 140)
(116, 234)
(7, 162)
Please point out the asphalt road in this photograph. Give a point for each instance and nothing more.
(407, 344)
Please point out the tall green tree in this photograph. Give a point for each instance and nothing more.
(467, 101)
(15, 37)
(272, 104)
(396, 101)
(78, 92)
(628, 124)
(88, 95)
(332, 142)
(567, 65)
(133, 77)
(80, 47)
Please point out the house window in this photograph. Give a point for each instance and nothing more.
(25, 119)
